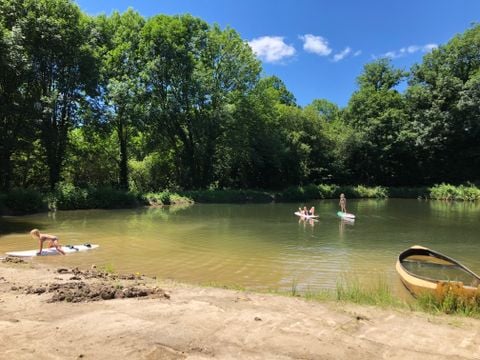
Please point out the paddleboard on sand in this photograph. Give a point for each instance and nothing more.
(68, 249)
(298, 213)
(345, 215)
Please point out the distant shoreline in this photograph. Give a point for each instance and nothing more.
(26, 201)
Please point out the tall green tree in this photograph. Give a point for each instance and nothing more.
(120, 80)
(379, 152)
(193, 75)
(55, 37)
(444, 104)
(15, 119)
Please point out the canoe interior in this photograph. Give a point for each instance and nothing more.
(432, 266)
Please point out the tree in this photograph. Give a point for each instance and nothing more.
(120, 89)
(193, 77)
(444, 100)
(15, 122)
(55, 37)
(379, 152)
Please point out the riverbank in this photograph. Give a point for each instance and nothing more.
(70, 197)
(150, 319)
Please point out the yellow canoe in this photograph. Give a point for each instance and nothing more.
(423, 270)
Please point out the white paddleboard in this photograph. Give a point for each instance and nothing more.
(345, 215)
(298, 213)
(68, 249)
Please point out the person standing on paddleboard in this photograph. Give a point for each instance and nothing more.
(46, 237)
(343, 203)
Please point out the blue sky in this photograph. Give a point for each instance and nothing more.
(318, 48)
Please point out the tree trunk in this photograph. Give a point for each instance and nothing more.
(5, 170)
(123, 138)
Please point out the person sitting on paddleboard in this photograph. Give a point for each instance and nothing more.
(46, 237)
(343, 203)
(306, 212)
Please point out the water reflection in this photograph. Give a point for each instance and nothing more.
(343, 223)
(257, 245)
(306, 221)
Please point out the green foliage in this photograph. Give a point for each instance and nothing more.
(350, 289)
(92, 158)
(328, 191)
(228, 196)
(152, 173)
(443, 98)
(166, 198)
(171, 102)
(408, 192)
(361, 191)
(20, 201)
(69, 197)
(450, 192)
(449, 303)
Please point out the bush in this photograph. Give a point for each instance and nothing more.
(3, 198)
(166, 198)
(109, 198)
(21, 201)
(228, 196)
(450, 298)
(450, 192)
(408, 192)
(293, 193)
(69, 197)
(378, 192)
(328, 191)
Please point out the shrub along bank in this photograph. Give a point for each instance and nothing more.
(70, 197)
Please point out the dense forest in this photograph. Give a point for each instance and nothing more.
(172, 102)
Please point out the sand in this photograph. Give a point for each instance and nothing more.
(150, 319)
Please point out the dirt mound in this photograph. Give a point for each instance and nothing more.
(13, 260)
(95, 274)
(82, 291)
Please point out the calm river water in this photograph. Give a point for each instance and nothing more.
(258, 246)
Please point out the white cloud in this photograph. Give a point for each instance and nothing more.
(339, 56)
(429, 47)
(409, 50)
(358, 52)
(271, 48)
(315, 44)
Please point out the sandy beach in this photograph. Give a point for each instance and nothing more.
(51, 313)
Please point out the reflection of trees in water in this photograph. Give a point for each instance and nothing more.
(454, 208)
(376, 204)
(178, 207)
(13, 225)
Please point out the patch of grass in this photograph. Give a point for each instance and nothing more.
(214, 284)
(379, 293)
(107, 268)
(351, 290)
(294, 290)
(450, 299)
(319, 295)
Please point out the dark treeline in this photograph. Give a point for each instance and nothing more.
(173, 102)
